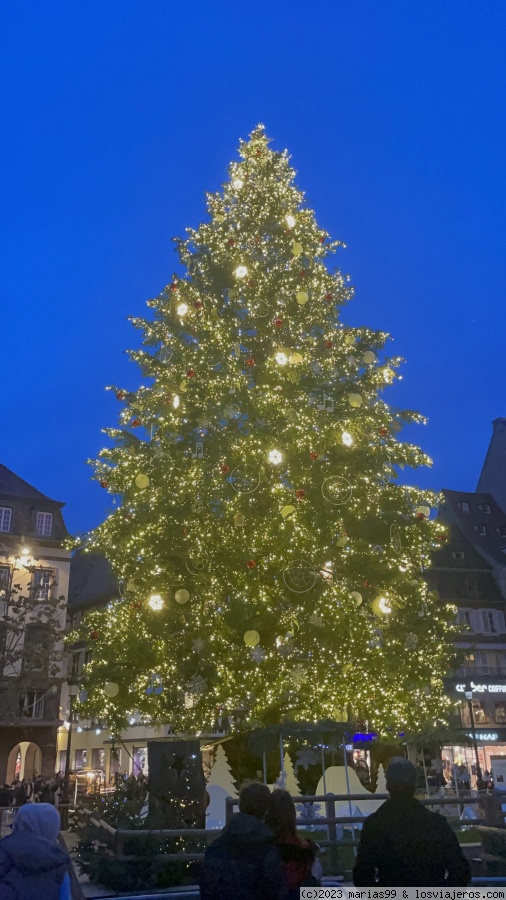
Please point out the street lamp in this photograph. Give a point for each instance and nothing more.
(65, 794)
(468, 694)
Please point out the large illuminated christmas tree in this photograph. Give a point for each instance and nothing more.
(270, 565)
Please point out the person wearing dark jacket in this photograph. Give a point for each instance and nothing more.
(243, 864)
(32, 866)
(297, 854)
(403, 844)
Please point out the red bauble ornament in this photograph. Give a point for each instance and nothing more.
(313, 455)
(300, 493)
(231, 242)
(225, 468)
(322, 240)
(329, 345)
(420, 516)
(278, 323)
(136, 605)
(95, 635)
(441, 538)
(383, 432)
(258, 153)
(366, 584)
(251, 284)
(173, 286)
(250, 361)
(135, 423)
(302, 274)
(120, 395)
(104, 484)
(128, 516)
(329, 298)
(190, 373)
(251, 564)
(198, 304)
(185, 530)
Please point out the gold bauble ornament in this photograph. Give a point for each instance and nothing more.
(182, 596)
(111, 689)
(297, 248)
(239, 520)
(357, 597)
(287, 511)
(355, 400)
(251, 638)
(142, 481)
(302, 297)
(342, 540)
(295, 359)
(369, 357)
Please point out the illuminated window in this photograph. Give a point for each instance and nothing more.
(485, 508)
(480, 529)
(42, 583)
(463, 506)
(5, 581)
(44, 526)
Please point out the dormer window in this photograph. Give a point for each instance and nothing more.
(485, 508)
(502, 530)
(480, 529)
(44, 525)
(458, 554)
(5, 519)
(463, 505)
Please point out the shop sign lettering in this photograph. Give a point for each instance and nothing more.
(485, 736)
(483, 688)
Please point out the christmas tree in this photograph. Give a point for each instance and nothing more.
(221, 774)
(269, 561)
(287, 779)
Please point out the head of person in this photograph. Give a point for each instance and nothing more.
(254, 800)
(401, 777)
(39, 819)
(281, 815)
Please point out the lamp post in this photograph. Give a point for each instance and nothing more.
(65, 794)
(468, 694)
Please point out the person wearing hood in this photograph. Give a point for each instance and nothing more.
(31, 863)
(243, 863)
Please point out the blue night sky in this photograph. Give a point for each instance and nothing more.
(118, 116)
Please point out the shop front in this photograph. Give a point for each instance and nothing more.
(489, 714)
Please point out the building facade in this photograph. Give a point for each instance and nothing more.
(34, 580)
(470, 573)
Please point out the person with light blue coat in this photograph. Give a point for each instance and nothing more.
(32, 865)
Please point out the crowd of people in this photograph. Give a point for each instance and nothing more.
(31, 790)
(260, 856)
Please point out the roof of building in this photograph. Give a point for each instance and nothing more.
(11, 485)
(481, 520)
(92, 581)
